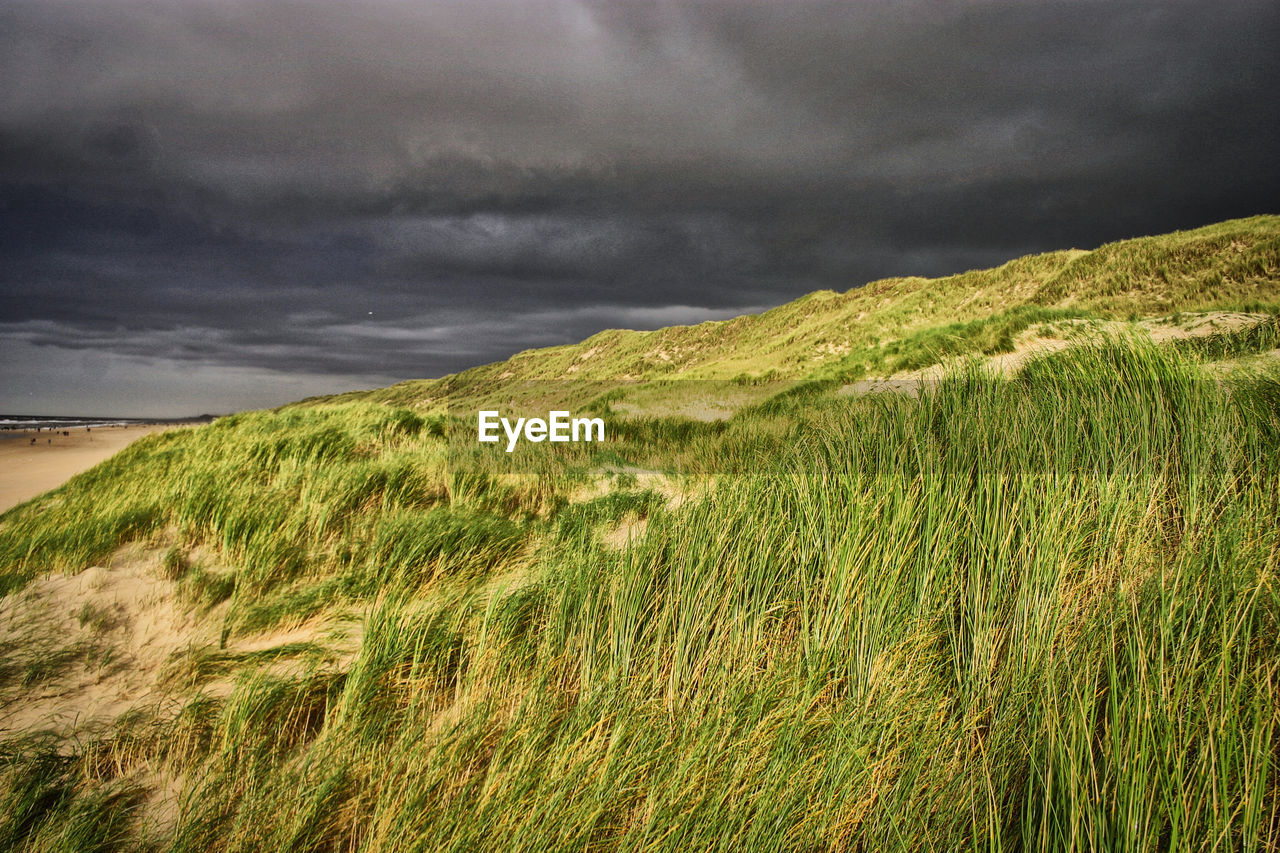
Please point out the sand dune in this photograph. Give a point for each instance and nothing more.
(27, 469)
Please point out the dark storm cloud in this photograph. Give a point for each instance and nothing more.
(395, 189)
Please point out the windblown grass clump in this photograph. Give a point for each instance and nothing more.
(344, 497)
(985, 335)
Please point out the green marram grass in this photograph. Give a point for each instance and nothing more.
(1004, 615)
(1037, 613)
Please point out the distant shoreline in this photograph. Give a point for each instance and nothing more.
(9, 423)
(17, 426)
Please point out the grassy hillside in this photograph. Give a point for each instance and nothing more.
(1036, 612)
(907, 323)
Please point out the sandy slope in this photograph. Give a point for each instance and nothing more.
(1047, 338)
(28, 469)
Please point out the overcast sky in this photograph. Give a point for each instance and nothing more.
(208, 206)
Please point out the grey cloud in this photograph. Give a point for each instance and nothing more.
(241, 183)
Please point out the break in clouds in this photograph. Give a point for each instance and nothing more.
(279, 197)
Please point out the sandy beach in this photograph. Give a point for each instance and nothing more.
(27, 469)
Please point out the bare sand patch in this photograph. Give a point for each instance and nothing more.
(629, 531)
(1043, 339)
(675, 490)
(82, 649)
(1184, 326)
(78, 651)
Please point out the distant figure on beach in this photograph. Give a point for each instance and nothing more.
(33, 441)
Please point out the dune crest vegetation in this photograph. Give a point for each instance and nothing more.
(899, 325)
